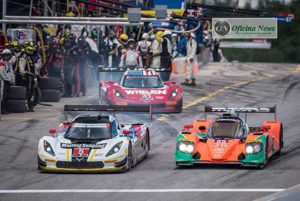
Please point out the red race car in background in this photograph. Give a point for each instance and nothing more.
(142, 87)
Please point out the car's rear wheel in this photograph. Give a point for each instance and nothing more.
(280, 141)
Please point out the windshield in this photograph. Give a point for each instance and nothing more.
(225, 128)
(142, 82)
(89, 129)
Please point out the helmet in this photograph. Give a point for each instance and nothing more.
(6, 54)
(174, 35)
(8, 45)
(167, 33)
(15, 43)
(6, 51)
(159, 35)
(131, 41)
(53, 41)
(29, 49)
(123, 38)
(152, 37)
(70, 14)
(94, 33)
(144, 36)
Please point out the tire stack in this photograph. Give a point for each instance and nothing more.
(50, 89)
(17, 99)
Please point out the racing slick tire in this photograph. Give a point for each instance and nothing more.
(147, 145)
(17, 93)
(61, 88)
(16, 106)
(50, 95)
(266, 160)
(49, 83)
(129, 163)
(281, 143)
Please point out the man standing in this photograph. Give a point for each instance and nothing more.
(157, 50)
(8, 79)
(191, 48)
(131, 57)
(26, 71)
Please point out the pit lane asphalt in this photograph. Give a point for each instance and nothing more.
(277, 84)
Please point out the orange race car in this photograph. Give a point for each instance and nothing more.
(227, 139)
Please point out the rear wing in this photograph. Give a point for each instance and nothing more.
(272, 110)
(108, 108)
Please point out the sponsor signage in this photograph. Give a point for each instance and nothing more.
(89, 146)
(146, 92)
(244, 28)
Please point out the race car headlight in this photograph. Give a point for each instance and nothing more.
(253, 148)
(118, 94)
(115, 149)
(185, 147)
(173, 94)
(48, 148)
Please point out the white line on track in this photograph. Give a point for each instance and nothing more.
(138, 190)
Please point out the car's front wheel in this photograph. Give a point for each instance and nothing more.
(129, 163)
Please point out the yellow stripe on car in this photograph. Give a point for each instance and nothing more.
(93, 155)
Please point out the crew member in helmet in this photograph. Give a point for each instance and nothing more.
(121, 45)
(25, 74)
(8, 79)
(110, 50)
(166, 56)
(157, 50)
(131, 57)
(54, 63)
(143, 47)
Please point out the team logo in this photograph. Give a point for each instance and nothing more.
(80, 153)
(222, 27)
(21, 35)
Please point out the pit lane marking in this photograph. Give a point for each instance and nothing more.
(29, 191)
(297, 70)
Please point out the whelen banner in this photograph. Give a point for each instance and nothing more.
(250, 28)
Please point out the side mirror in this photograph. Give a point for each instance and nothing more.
(202, 128)
(188, 126)
(126, 132)
(52, 131)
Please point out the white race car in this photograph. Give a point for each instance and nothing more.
(93, 143)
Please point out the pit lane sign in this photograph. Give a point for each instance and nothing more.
(244, 28)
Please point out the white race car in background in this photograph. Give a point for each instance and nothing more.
(93, 143)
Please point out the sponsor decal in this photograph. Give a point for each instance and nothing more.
(89, 146)
(81, 125)
(21, 35)
(221, 143)
(147, 92)
(241, 109)
(218, 151)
